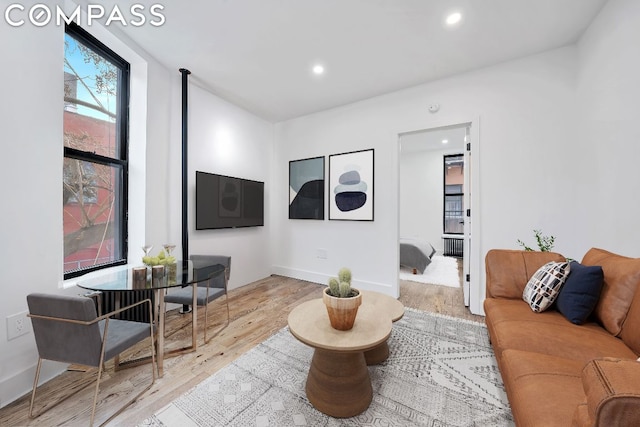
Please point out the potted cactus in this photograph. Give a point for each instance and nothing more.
(342, 301)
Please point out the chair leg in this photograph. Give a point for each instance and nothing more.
(33, 393)
(226, 298)
(95, 394)
(206, 341)
(154, 368)
(206, 323)
(35, 385)
(167, 332)
(165, 321)
(194, 329)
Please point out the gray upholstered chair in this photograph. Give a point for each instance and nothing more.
(67, 329)
(211, 285)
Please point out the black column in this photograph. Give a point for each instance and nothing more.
(185, 170)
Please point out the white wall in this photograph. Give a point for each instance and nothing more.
(227, 140)
(421, 195)
(527, 123)
(557, 151)
(608, 93)
(560, 124)
(31, 223)
(31, 123)
(353, 244)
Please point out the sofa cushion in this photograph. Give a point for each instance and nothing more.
(545, 284)
(512, 325)
(508, 270)
(621, 278)
(580, 293)
(542, 390)
(630, 332)
(581, 416)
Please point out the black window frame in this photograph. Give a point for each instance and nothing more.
(445, 193)
(122, 128)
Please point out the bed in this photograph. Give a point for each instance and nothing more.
(415, 254)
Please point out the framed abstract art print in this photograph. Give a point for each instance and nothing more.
(306, 188)
(351, 186)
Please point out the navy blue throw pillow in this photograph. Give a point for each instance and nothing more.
(580, 293)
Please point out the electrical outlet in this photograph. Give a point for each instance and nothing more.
(17, 325)
(321, 253)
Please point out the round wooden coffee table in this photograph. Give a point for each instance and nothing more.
(384, 305)
(338, 382)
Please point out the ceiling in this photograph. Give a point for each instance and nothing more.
(258, 54)
(432, 139)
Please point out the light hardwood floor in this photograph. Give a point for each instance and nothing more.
(258, 310)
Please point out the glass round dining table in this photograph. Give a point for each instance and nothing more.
(119, 282)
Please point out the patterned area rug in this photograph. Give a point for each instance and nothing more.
(442, 270)
(440, 372)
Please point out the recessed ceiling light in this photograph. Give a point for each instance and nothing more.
(445, 141)
(318, 69)
(453, 18)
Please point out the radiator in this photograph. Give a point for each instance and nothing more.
(138, 313)
(453, 246)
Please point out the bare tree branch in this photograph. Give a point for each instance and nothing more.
(78, 240)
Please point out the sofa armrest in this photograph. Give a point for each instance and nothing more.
(508, 271)
(612, 388)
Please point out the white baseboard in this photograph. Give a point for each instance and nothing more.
(16, 386)
(322, 278)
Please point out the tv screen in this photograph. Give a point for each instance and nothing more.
(228, 202)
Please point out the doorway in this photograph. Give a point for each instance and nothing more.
(434, 198)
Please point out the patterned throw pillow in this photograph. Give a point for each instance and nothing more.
(544, 286)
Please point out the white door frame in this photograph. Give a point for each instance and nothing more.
(468, 208)
(476, 290)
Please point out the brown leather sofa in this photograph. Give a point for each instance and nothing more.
(557, 373)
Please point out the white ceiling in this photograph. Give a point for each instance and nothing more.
(258, 54)
(431, 139)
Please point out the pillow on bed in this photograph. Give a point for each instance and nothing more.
(429, 253)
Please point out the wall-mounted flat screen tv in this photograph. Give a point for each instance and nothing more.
(228, 202)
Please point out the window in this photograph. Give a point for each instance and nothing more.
(453, 194)
(94, 187)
